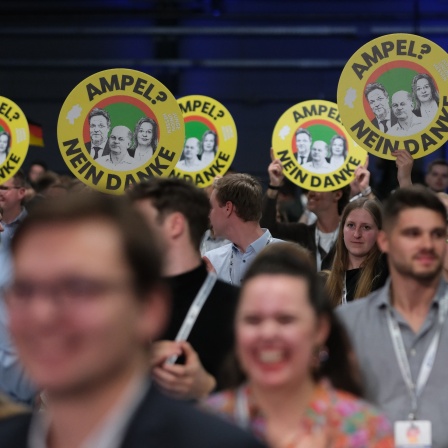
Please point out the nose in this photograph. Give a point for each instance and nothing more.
(268, 329)
(357, 233)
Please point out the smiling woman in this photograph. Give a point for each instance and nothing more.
(301, 383)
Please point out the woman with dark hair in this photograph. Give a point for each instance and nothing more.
(209, 147)
(302, 385)
(359, 267)
(425, 96)
(145, 140)
(4, 146)
(338, 150)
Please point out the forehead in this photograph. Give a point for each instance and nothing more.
(360, 215)
(419, 217)
(145, 126)
(9, 183)
(90, 247)
(4, 137)
(400, 97)
(303, 135)
(377, 93)
(440, 169)
(120, 132)
(423, 82)
(319, 145)
(98, 119)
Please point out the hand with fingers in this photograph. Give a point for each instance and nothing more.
(404, 162)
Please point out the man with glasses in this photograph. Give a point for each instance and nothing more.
(85, 303)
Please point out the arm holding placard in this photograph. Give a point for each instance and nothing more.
(404, 164)
(187, 381)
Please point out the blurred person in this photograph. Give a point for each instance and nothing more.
(86, 301)
(235, 214)
(436, 177)
(190, 160)
(359, 266)
(99, 126)
(37, 169)
(425, 96)
(302, 388)
(407, 312)
(318, 163)
(178, 212)
(209, 147)
(145, 140)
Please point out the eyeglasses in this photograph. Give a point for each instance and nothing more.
(69, 293)
(5, 188)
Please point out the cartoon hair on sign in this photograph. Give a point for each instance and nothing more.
(14, 138)
(210, 141)
(119, 127)
(316, 151)
(391, 96)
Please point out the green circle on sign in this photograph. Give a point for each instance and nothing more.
(195, 129)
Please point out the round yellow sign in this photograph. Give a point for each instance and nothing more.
(119, 127)
(315, 150)
(14, 138)
(210, 140)
(392, 95)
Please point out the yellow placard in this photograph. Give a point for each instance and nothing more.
(14, 138)
(315, 150)
(119, 127)
(392, 94)
(210, 140)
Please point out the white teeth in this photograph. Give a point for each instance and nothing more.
(270, 356)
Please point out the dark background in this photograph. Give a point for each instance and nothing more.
(257, 57)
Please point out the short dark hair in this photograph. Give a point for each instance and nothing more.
(100, 112)
(292, 260)
(304, 131)
(375, 86)
(435, 162)
(244, 192)
(19, 179)
(169, 195)
(138, 243)
(416, 196)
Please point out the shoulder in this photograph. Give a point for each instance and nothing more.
(88, 145)
(172, 423)
(219, 252)
(103, 159)
(14, 431)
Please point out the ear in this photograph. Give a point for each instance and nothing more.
(22, 192)
(153, 314)
(383, 241)
(323, 330)
(337, 195)
(175, 224)
(229, 208)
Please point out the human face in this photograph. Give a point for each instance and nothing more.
(303, 144)
(402, 106)
(322, 201)
(4, 140)
(35, 172)
(218, 215)
(11, 196)
(337, 149)
(318, 152)
(437, 178)
(423, 90)
(98, 130)
(379, 103)
(145, 134)
(360, 233)
(277, 331)
(119, 140)
(209, 143)
(75, 318)
(191, 148)
(415, 244)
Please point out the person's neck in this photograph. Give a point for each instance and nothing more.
(283, 407)
(412, 298)
(74, 417)
(11, 215)
(180, 259)
(355, 262)
(142, 148)
(327, 221)
(190, 162)
(243, 234)
(117, 158)
(405, 124)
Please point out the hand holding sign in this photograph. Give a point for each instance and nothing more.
(404, 162)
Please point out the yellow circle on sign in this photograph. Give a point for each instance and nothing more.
(119, 127)
(315, 150)
(14, 138)
(210, 140)
(392, 95)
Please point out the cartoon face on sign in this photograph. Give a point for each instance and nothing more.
(389, 95)
(210, 142)
(314, 148)
(119, 127)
